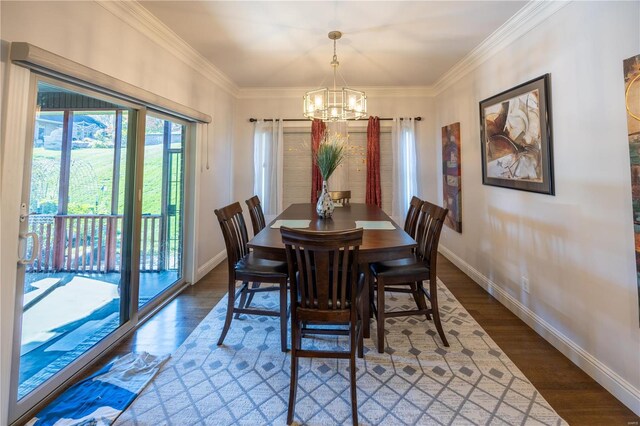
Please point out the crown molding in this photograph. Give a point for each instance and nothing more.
(527, 18)
(530, 16)
(298, 92)
(138, 17)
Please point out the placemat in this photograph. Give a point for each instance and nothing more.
(291, 223)
(375, 224)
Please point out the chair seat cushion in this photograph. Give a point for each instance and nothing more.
(399, 268)
(253, 265)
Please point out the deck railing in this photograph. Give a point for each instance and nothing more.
(92, 243)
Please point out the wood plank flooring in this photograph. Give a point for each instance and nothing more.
(570, 391)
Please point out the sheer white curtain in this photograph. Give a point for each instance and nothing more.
(405, 181)
(267, 166)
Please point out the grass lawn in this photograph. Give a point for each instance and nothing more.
(91, 179)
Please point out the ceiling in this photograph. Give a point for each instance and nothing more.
(285, 44)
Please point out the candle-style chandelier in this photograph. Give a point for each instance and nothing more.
(335, 104)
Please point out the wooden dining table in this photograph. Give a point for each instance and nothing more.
(377, 244)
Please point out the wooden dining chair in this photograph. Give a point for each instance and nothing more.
(256, 214)
(342, 197)
(244, 266)
(411, 221)
(411, 272)
(258, 223)
(323, 267)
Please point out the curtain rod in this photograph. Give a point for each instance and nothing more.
(253, 120)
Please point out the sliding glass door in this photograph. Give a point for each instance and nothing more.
(161, 237)
(101, 233)
(74, 295)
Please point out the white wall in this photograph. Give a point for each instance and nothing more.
(576, 248)
(87, 33)
(379, 104)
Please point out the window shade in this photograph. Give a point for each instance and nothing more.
(48, 63)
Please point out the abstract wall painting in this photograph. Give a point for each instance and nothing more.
(631, 68)
(515, 130)
(451, 173)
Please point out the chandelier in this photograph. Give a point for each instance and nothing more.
(335, 104)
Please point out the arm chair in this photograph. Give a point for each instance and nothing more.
(324, 278)
(244, 266)
(412, 271)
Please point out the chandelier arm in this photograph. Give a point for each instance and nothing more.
(343, 80)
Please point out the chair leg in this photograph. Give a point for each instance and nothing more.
(360, 330)
(294, 375)
(354, 397)
(380, 319)
(254, 285)
(243, 299)
(418, 295)
(230, 303)
(433, 293)
(367, 299)
(283, 316)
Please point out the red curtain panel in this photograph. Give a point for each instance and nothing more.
(374, 194)
(317, 133)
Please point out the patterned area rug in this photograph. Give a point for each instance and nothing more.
(418, 381)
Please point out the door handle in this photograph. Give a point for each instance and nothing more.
(34, 251)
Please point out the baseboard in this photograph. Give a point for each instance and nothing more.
(609, 379)
(210, 264)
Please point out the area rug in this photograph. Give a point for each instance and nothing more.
(417, 381)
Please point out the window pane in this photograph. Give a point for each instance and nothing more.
(45, 167)
(162, 208)
(92, 160)
(72, 295)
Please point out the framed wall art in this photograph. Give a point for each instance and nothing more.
(451, 173)
(631, 68)
(515, 131)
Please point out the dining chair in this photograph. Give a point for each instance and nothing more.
(258, 223)
(256, 214)
(411, 220)
(412, 271)
(342, 197)
(244, 266)
(323, 267)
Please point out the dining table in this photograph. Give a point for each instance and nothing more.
(382, 239)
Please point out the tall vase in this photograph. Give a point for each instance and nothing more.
(325, 206)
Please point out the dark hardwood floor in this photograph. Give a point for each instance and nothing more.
(570, 391)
